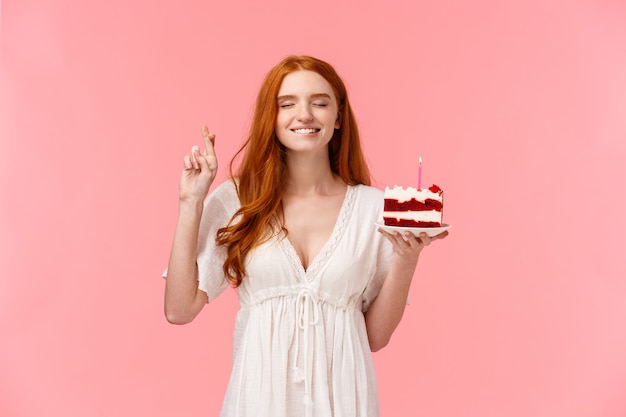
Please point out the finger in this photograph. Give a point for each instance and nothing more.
(410, 237)
(210, 158)
(194, 154)
(209, 139)
(204, 163)
(395, 238)
(187, 162)
(411, 240)
(206, 133)
(209, 150)
(441, 235)
(384, 233)
(404, 240)
(425, 239)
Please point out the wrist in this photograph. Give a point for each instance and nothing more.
(190, 205)
(405, 263)
(191, 201)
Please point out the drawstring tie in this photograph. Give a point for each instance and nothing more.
(307, 316)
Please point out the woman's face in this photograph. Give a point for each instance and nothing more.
(307, 112)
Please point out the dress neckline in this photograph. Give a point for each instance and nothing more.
(330, 245)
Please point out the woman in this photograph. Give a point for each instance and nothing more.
(319, 287)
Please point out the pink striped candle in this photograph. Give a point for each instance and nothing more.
(419, 175)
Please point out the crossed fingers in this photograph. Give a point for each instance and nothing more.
(197, 160)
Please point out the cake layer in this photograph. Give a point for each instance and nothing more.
(413, 205)
(402, 194)
(409, 223)
(417, 216)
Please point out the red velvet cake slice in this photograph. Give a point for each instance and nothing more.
(412, 207)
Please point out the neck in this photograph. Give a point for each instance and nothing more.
(311, 175)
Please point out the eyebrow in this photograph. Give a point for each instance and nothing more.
(313, 96)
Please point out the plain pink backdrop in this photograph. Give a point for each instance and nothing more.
(517, 107)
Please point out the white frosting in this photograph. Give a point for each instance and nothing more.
(402, 195)
(423, 216)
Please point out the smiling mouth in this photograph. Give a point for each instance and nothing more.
(305, 131)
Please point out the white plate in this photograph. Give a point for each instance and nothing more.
(430, 231)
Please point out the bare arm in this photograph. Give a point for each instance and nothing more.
(386, 311)
(183, 299)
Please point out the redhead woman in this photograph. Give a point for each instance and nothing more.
(319, 287)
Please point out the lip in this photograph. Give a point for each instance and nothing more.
(315, 129)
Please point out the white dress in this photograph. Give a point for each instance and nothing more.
(300, 344)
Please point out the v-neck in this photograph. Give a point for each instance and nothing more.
(338, 230)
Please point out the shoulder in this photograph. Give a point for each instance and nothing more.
(369, 199)
(225, 189)
(367, 193)
(226, 194)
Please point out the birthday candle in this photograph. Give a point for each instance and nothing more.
(419, 175)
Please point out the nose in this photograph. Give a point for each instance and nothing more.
(304, 113)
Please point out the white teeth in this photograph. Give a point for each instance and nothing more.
(305, 130)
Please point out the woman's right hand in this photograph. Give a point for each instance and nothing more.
(200, 170)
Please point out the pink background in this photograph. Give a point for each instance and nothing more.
(517, 107)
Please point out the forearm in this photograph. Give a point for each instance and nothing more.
(183, 300)
(386, 311)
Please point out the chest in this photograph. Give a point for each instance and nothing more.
(310, 223)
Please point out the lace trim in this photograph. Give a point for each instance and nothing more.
(292, 292)
(329, 246)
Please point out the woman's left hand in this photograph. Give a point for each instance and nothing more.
(408, 245)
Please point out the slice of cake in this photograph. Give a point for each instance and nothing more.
(412, 207)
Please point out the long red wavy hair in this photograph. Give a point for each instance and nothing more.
(261, 175)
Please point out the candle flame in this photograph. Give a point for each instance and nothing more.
(420, 159)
